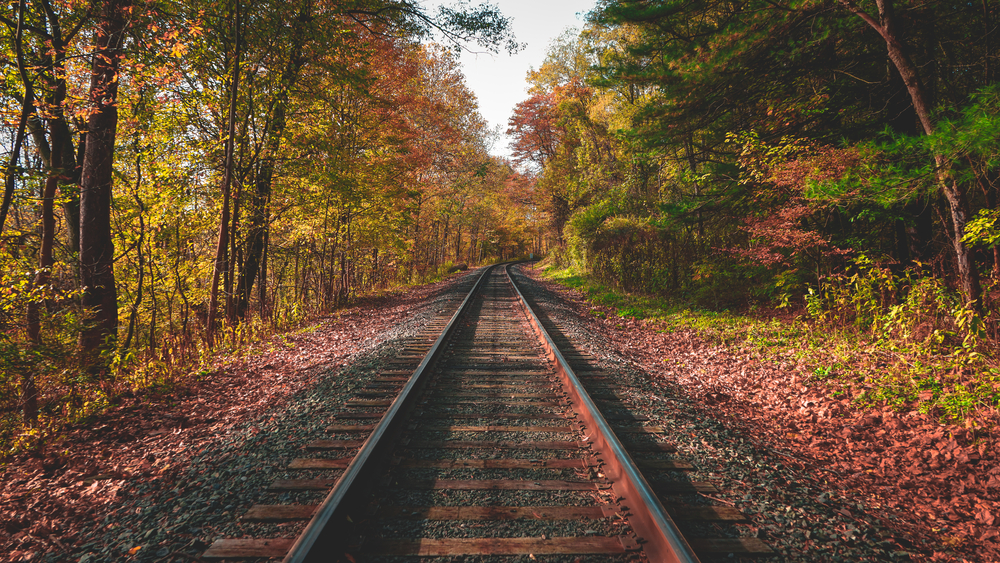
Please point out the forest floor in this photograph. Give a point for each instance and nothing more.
(93, 493)
(938, 485)
(57, 501)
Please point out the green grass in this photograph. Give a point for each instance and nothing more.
(848, 361)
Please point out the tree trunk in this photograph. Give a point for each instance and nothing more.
(473, 241)
(987, 44)
(64, 162)
(10, 175)
(27, 108)
(134, 313)
(991, 202)
(60, 158)
(64, 166)
(29, 390)
(342, 284)
(153, 310)
(949, 186)
(415, 252)
(97, 274)
(234, 261)
(222, 247)
(262, 276)
(259, 217)
(255, 250)
(441, 250)
(296, 252)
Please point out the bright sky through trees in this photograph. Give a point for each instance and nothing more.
(499, 80)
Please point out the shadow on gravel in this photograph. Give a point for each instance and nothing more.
(800, 513)
(607, 387)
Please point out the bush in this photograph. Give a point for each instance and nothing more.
(909, 309)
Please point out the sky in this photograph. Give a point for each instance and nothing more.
(499, 80)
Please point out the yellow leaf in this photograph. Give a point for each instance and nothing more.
(134, 550)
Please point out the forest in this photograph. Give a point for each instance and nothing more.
(781, 217)
(182, 177)
(837, 159)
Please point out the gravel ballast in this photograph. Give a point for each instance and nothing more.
(791, 511)
(165, 494)
(165, 491)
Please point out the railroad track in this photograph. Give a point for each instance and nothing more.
(480, 440)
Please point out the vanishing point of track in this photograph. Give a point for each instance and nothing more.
(483, 442)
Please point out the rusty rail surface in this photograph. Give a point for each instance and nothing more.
(649, 519)
(334, 509)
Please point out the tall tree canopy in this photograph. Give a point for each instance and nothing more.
(711, 148)
(174, 170)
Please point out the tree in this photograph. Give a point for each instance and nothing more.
(97, 275)
(958, 204)
(49, 32)
(222, 257)
(795, 74)
(535, 130)
(27, 108)
(340, 121)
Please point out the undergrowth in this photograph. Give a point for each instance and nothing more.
(919, 350)
(67, 398)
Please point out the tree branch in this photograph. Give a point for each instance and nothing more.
(875, 24)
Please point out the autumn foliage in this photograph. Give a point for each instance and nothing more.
(778, 154)
(190, 176)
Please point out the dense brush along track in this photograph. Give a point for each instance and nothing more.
(478, 443)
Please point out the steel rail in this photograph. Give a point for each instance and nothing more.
(663, 542)
(334, 508)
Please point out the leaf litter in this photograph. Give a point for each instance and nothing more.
(70, 499)
(935, 487)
